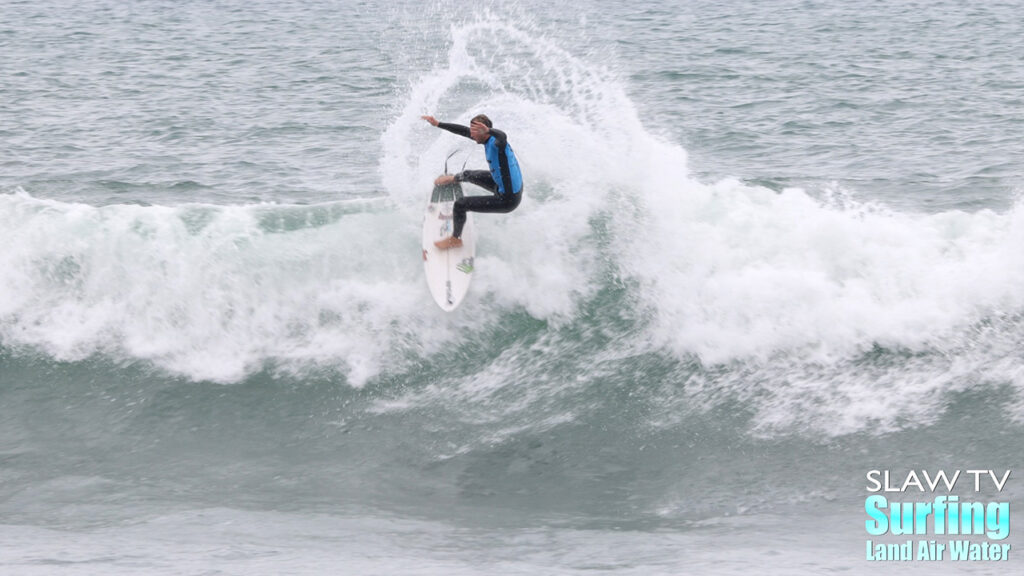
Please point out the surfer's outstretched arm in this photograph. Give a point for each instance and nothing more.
(453, 128)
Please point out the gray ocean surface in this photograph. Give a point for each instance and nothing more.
(765, 248)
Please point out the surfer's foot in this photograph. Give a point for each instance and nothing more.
(449, 242)
(444, 179)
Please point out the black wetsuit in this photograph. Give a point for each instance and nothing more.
(503, 180)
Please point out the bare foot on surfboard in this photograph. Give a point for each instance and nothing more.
(449, 242)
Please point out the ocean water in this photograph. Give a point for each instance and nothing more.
(765, 249)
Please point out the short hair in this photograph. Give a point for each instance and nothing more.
(483, 119)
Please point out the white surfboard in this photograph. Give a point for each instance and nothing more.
(448, 272)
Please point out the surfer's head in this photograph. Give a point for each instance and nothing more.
(478, 136)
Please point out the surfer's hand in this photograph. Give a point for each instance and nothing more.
(478, 128)
(431, 119)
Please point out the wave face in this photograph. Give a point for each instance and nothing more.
(824, 312)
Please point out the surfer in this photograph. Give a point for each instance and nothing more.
(503, 180)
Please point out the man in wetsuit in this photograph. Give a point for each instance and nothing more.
(503, 179)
